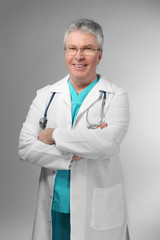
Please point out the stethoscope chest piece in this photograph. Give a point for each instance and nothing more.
(43, 122)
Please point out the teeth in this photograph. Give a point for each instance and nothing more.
(80, 66)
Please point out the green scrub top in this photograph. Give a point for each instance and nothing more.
(61, 196)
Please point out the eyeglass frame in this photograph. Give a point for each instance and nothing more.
(82, 50)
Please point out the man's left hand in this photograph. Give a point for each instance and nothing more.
(45, 136)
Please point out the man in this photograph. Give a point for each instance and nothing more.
(81, 194)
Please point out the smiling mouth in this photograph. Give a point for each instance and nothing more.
(80, 65)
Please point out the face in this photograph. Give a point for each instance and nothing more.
(82, 69)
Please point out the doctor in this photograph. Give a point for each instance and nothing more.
(81, 192)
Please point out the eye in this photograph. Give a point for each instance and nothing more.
(87, 49)
(72, 48)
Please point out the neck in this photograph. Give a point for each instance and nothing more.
(79, 84)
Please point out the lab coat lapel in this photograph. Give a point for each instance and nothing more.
(62, 89)
(94, 94)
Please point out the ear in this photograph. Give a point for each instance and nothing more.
(99, 57)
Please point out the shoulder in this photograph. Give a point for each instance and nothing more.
(52, 88)
(110, 86)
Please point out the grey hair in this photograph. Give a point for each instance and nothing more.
(88, 26)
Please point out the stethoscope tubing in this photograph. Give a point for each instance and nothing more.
(45, 113)
(94, 125)
(43, 121)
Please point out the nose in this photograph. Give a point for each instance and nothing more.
(79, 55)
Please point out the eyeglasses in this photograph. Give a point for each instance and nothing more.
(87, 51)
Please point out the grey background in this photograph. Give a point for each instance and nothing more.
(32, 56)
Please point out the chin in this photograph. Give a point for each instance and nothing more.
(79, 76)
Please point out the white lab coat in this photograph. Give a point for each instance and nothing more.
(97, 201)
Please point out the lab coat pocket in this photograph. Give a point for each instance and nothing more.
(107, 208)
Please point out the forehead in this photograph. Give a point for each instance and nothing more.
(79, 38)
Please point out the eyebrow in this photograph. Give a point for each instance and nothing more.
(88, 45)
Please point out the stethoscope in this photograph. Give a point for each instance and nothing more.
(43, 121)
(94, 125)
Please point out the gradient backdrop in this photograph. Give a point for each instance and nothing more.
(32, 56)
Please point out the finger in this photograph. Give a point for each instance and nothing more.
(41, 133)
(102, 125)
(75, 158)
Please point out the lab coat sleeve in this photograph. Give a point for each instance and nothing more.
(34, 151)
(98, 143)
